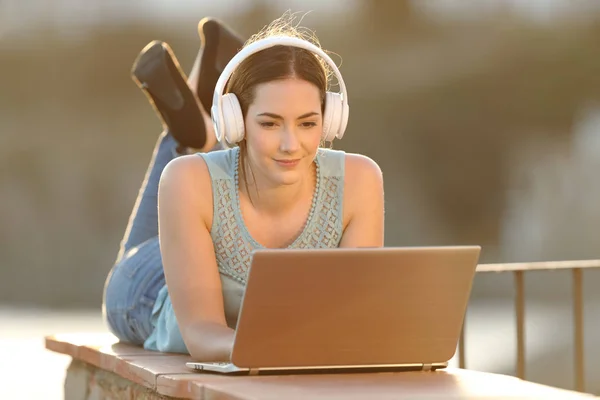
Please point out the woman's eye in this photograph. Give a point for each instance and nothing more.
(267, 124)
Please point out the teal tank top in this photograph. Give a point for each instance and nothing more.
(233, 243)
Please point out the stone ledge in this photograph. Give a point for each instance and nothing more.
(102, 368)
(132, 363)
(87, 382)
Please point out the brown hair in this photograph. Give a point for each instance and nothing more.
(274, 63)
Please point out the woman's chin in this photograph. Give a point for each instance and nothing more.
(286, 178)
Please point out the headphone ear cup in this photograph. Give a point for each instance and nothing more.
(217, 126)
(343, 119)
(233, 120)
(332, 117)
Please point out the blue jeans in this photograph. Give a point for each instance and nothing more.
(137, 276)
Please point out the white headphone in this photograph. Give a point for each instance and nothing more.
(226, 112)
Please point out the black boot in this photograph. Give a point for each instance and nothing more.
(158, 73)
(220, 44)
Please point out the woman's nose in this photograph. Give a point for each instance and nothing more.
(289, 140)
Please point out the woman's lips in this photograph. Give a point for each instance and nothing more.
(288, 163)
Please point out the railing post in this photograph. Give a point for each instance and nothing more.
(462, 362)
(518, 270)
(520, 309)
(578, 329)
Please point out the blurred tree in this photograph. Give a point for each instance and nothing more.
(259, 14)
(388, 15)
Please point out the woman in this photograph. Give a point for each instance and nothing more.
(276, 189)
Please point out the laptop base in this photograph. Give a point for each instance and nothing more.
(231, 369)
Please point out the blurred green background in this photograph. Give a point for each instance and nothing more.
(484, 116)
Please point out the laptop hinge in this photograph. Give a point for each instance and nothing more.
(253, 371)
(426, 367)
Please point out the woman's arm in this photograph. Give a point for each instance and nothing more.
(185, 216)
(363, 203)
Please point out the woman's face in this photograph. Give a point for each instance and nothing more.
(284, 126)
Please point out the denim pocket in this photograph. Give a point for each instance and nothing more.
(123, 325)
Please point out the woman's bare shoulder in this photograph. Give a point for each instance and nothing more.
(186, 181)
(186, 168)
(363, 182)
(363, 202)
(362, 172)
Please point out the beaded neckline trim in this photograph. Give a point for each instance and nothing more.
(311, 213)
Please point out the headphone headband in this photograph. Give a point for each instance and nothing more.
(217, 107)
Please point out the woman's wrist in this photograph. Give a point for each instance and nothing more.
(210, 341)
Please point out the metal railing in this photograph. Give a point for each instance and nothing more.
(519, 269)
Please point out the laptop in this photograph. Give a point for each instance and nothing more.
(330, 310)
